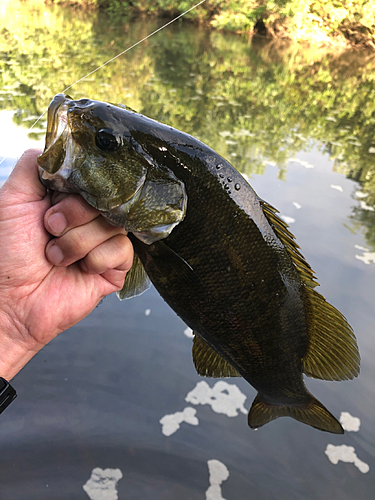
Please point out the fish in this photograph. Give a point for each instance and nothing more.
(217, 253)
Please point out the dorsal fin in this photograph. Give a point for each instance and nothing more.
(332, 352)
(209, 363)
(281, 229)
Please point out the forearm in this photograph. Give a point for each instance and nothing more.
(15, 350)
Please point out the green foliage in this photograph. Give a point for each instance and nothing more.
(322, 21)
(115, 7)
(76, 3)
(342, 22)
(255, 103)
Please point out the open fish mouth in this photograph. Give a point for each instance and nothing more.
(57, 119)
(61, 150)
(90, 150)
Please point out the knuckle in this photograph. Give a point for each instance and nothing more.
(76, 210)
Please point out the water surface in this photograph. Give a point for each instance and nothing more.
(300, 124)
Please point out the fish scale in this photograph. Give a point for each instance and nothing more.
(217, 253)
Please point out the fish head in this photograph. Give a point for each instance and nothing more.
(86, 149)
(90, 149)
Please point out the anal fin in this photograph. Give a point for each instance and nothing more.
(209, 363)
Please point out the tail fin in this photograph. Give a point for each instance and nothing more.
(311, 413)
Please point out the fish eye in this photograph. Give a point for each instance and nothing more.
(106, 141)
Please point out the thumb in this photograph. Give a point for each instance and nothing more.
(23, 183)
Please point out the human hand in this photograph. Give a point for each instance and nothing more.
(58, 259)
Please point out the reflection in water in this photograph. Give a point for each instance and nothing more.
(218, 473)
(264, 109)
(347, 454)
(222, 397)
(252, 102)
(288, 219)
(349, 422)
(171, 423)
(367, 257)
(102, 484)
(304, 163)
(189, 333)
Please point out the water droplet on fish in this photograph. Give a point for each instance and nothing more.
(237, 187)
(219, 165)
(226, 186)
(229, 179)
(221, 176)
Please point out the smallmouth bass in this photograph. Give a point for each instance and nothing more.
(217, 253)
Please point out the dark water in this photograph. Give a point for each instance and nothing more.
(300, 124)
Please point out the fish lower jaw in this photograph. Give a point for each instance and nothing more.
(56, 182)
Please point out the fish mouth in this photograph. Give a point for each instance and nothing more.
(64, 159)
(61, 150)
(57, 119)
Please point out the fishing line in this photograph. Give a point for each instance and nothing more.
(134, 45)
(124, 52)
(115, 57)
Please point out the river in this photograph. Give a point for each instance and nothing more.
(113, 407)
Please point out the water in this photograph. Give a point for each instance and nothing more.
(299, 124)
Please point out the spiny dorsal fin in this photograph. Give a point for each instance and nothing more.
(332, 353)
(281, 229)
(209, 363)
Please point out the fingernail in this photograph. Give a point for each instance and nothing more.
(54, 255)
(57, 222)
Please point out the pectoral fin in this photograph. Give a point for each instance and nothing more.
(160, 206)
(136, 281)
(209, 363)
(170, 266)
(311, 413)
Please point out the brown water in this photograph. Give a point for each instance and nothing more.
(300, 124)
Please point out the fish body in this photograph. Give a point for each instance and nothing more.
(217, 253)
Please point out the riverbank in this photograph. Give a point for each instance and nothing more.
(341, 23)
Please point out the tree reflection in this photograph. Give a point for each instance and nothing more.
(254, 103)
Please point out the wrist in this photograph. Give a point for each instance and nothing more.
(16, 346)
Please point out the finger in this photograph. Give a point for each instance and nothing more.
(115, 277)
(78, 242)
(70, 211)
(57, 196)
(115, 253)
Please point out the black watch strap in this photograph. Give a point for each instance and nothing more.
(7, 394)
